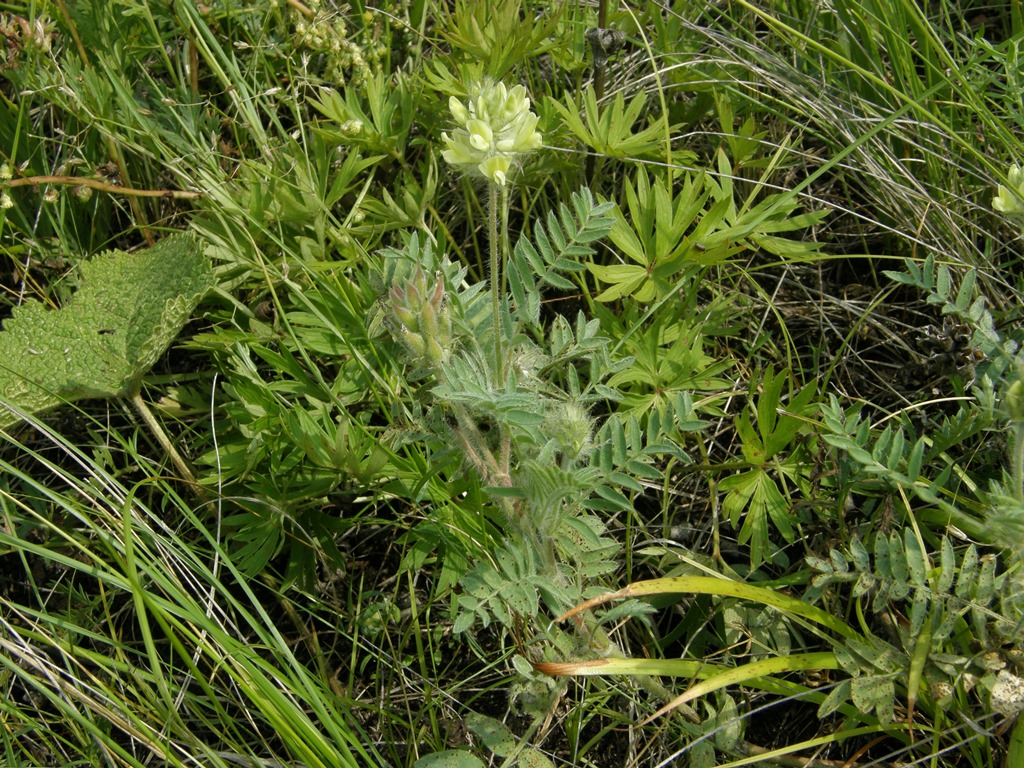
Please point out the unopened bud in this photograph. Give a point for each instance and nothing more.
(1014, 401)
(423, 316)
(570, 425)
(414, 342)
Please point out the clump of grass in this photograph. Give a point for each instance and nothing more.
(130, 635)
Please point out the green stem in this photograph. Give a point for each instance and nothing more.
(1015, 749)
(492, 223)
(505, 443)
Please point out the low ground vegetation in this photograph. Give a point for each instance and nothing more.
(511, 383)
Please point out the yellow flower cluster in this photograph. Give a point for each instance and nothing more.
(1011, 201)
(495, 126)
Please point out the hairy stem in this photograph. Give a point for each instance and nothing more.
(1017, 471)
(506, 245)
(492, 223)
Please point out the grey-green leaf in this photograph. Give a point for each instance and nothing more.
(450, 758)
(532, 758)
(493, 734)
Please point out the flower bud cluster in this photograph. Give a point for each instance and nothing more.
(5, 175)
(571, 426)
(495, 126)
(350, 57)
(423, 317)
(20, 37)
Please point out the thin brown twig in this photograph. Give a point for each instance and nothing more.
(102, 186)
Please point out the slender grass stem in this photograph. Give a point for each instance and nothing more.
(117, 189)
(165, 442)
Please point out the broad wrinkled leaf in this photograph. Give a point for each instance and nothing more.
(873, 693)
(835, 699)
(729, 726)
(532, 758)
(129, 309)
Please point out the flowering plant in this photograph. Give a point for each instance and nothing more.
(495, 126)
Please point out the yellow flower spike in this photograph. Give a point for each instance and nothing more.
(516, 102)
(480, 135)
(457, 153)
(493, 127)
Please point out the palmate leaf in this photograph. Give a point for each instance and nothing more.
(130, 307)
(653, 234)
(756, 491)
(609, 130)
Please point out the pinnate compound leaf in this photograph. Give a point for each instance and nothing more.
(129, 309)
